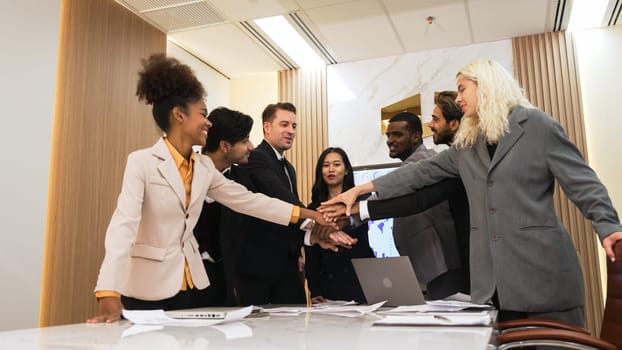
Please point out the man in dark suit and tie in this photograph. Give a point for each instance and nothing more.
(268, 258)
(219, 229)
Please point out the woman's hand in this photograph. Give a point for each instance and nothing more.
(332, 212)
(109, 310)
(349, 197)
(609, 242)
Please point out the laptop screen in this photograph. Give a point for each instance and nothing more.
(391, 279)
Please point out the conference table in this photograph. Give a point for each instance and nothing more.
(305, 331)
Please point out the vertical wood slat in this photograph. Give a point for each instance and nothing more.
(97, 122)
(545, 67)
(306, 89)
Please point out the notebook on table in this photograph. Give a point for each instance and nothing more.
(391, 279)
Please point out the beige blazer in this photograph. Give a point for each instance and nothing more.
(150, 233)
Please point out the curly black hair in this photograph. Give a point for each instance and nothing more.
(166, 83)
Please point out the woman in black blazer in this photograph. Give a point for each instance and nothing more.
(330, 274)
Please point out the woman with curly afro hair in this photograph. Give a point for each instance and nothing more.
(152, 259)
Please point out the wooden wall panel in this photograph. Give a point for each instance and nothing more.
(97, 122)
(306, 89)
(545, 66)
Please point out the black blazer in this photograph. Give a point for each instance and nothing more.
(450, 189)
(230, 227)
(331, 274)
(267, 248)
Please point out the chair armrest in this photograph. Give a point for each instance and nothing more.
(528, 323)
(554, 334)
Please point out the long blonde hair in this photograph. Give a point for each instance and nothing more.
(497, 93)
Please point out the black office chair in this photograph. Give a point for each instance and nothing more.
(539, 332)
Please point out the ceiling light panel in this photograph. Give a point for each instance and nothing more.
(244, 10)
(356, 30)
(493, 20)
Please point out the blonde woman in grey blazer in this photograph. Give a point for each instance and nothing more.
(508, 155)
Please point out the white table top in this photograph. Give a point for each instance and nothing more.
(306, 331)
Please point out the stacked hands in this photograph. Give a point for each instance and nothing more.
(341, 206)
(333, 216)
(328, 233)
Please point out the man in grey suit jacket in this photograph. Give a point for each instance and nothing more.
(429, 239)
(509, 156)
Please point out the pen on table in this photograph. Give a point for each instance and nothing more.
(443, 318)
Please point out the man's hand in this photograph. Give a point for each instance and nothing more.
(609, 242)
(318, 300)
(109, 310)
(331, 212)
(329, 238)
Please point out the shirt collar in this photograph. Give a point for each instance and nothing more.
(177, 157)
(279, 156)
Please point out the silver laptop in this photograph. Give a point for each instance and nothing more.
(390, 279)
(207, 313)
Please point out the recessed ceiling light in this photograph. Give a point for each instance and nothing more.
(288, 39)
(587, 14)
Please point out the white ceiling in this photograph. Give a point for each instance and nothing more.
(217, 31)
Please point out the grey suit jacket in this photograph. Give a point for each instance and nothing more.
(518, 245)
(429, 238)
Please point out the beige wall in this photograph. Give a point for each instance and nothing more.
(97, 121)
(599, 54)
(251, 94)
(28, 69)
(216, 84)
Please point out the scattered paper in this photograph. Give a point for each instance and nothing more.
(158, 317)
(347, 310)
(235, 330)
(331, 303)
(459, 297)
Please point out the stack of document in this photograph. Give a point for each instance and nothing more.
(448, 312)
(481, 318)
(439, 306)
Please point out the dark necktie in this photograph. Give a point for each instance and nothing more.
(289, 179)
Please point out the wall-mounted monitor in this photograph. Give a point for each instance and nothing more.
(380, 231)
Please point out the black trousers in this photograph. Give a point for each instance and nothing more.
(449, 283)
(287, 288)
(214, 295)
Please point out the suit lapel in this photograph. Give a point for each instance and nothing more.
(507, 141)
(482, 151)
(292, 176)
(199, 176)
(168, 170)
(266, 148)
